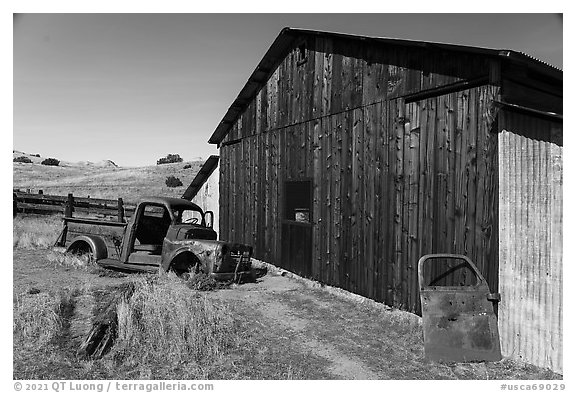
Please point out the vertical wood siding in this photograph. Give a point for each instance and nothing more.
(390, 181)
(340, 76)
(530, 226)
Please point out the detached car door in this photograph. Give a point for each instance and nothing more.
(458, 310)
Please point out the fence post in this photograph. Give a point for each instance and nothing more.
(69, 206)
(120, 210)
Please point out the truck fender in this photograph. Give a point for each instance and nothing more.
(180, 253)
(96, 244)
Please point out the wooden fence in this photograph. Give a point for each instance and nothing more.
(39, 203)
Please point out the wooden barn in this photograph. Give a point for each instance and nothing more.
(346, 158)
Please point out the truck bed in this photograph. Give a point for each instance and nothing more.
(112, 232)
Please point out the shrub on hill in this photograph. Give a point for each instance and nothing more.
(169, 159)
(51, 161)
(23, 159)
(173, 181)
(187, 166)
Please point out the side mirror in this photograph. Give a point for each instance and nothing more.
(209, 217)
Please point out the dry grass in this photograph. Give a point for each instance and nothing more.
(168, 328)
(165, 331)
(32, 232)
(203, 282)
(104, 182)
(68, 260)
(36, 318)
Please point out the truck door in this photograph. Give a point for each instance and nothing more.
(458, 312)
(146, 233)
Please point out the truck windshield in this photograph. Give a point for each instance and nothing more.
(188, 216)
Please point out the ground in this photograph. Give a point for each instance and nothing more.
(276, 299)
(288, 328)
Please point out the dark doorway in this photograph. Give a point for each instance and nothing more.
(297, 227)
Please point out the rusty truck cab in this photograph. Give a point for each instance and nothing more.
(157, 218)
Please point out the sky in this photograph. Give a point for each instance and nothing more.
(133, 88)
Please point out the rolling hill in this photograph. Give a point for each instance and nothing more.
(101, 180)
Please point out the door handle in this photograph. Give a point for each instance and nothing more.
(494, 297)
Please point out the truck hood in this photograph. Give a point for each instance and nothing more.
(190, 232)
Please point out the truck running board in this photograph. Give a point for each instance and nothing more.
(115, 264)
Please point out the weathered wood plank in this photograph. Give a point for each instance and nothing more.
(358, 65)
(309, 86)
(413, 164)
(327, 76)
(316, 200)
(356, 231)
(341, 70)
(266, 229)
(421, 175)
(346, 193)
(264, 103)
(275, 195)
(368, 185)
(257, 201)
(441, 177)
(298, 91)
(337, 193)
(450, 117)
(460, 193)
(361, 210)
(397, 123)
(328, 187)
(317, 95)
(272, 99)
(471, 169)
(374, 82)
(258, 114)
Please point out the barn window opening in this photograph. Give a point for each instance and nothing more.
(302, 55)
(298, 201)
(449, 272)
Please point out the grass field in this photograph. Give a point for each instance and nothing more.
(277, 328)
(104, 182)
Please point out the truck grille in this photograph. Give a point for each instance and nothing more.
(241, 260)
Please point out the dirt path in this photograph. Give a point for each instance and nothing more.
(266, 296)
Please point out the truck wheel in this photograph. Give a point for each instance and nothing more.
(84, 251)
(185, 265)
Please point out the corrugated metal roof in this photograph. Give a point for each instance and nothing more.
(201, 177)
(283, 44)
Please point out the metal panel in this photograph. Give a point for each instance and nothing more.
(530, 251)
(459, 320)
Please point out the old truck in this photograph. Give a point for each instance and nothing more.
(163, 234)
